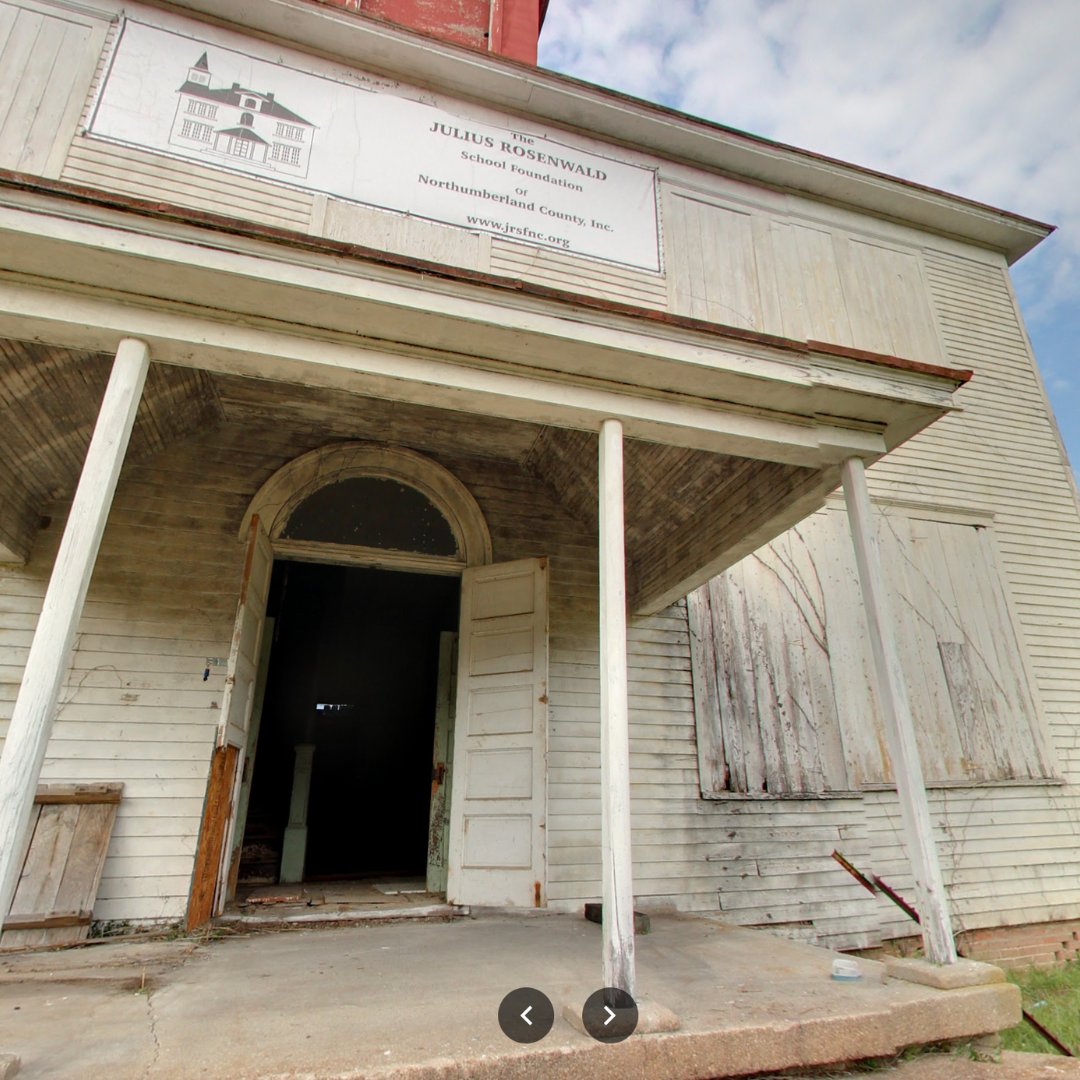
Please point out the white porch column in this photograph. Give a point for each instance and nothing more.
(931, 900)
(618, 889)
(50, 650)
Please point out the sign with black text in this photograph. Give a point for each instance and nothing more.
(374, 141)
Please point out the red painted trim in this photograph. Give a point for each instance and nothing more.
(162, 211)
(515, 29)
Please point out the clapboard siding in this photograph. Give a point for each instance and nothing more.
(1007, 849)
(591, 277)
(145, 175)
(404, 234)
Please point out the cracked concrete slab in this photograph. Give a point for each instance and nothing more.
(420, 1001)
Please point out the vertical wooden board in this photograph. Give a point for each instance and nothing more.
(46, 63)
(849, 654)
(55, 119)
(215, 821)
(768, 290)
(43, 869)
(83, 869)
(239, 698)
(887, 302)
(999, 724)
(36, 85)
(820, 271)
(809, 730)
(686, 259)
(16, 56)
(820, 746)
(8, 14)
(775, 729)
(713, 264)
(921, 614)
(704, 665)
(500, 768)
(735, 681)
(788, 281)
(1014, 664)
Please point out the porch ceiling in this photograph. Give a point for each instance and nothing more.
(49, 400)
(688, 512)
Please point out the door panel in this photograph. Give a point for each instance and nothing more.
(497, 849)
(244, 653)
(441, 761)
(240, 684)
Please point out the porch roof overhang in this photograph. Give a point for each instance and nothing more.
(83, 270)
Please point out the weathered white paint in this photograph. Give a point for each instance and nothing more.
(931, 902)
(672, 415)
(1001, 453)
(442, 758)
(47, 56)
(50, 652)
(499, 798)
(244, 653)
(783, 674)
(616, 858)
(247, 764)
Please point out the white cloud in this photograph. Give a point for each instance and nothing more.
(979, 98)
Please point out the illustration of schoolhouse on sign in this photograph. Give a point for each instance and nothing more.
(237, 123)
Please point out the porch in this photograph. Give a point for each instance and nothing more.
(420, 999)
(730, 437)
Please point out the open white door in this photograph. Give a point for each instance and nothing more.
(239, 696)
(498, 801)
(241, 681)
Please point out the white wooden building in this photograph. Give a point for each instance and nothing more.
(373, 398)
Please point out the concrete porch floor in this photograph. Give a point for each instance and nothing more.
(419, 1000)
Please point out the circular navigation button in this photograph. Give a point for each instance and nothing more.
(610, 1015)
(526, 1015)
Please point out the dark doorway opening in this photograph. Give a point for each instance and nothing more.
(353, 674)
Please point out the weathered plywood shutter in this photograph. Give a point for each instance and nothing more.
(763, 687)
(243, 667)
(784, 691)
(497, 849)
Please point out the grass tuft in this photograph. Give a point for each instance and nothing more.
(1052, 996)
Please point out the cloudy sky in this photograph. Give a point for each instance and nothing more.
(979, 97)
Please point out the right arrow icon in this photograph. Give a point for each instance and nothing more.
(610, 1015)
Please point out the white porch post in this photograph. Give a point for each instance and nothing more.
(50, 650)
(618, 889)
(931, 900)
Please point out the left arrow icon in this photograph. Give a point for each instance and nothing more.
(526, 1015)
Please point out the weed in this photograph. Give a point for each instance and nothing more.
(1052, 996)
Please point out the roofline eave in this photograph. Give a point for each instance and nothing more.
(573, 103)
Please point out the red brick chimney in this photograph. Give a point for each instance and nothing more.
(504, 27)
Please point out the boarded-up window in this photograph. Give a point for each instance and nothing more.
(783, 679)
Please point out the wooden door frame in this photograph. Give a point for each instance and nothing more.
(213, 882)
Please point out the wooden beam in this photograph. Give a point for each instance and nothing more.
(931, 902)
(78, 794)
(50, 650)
(48, 921)
(618, 889)
(334, 359)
